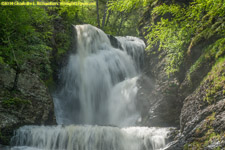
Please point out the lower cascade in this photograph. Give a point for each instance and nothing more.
(95, 105)
(90, 138)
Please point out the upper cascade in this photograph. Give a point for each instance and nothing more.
(99, 79)
(90, 39)
(134, 47)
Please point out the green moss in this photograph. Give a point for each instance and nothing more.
(216, 81)
(204, 141)
(207, 135)
(197, 131)
(210, 54)
(211, 135)
(15, 102)
(196, 145)
(211, 117)
(49, 82)
(186, 147)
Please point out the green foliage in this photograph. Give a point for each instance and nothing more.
(25, 34)
(126, 5)
(24, 31)
(124, 16)
(181, 26)
(15, 102)
(78, 14)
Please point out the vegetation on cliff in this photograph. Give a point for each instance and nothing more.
(182, 26)
(187, 37)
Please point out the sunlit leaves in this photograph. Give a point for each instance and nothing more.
(188, 25)
(126, 5)
(24, 31)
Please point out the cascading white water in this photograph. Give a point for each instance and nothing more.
(90, 138)
(133, 47)
(98, 88)
(94, 79)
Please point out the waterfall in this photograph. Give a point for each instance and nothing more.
(95, 106)
(99, 82)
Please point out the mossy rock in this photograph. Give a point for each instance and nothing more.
(15, 102)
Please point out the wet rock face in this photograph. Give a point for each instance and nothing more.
(197, 110)
(31, 103)
(158, 95)
(114, 42)
(202, 118)
(203, 129)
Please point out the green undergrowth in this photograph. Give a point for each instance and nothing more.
(216, 81)
(212, 53)
(181, 27)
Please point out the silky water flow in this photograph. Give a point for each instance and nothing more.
(95, 106)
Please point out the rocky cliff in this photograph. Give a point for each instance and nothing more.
(192, 98)
(30, 103)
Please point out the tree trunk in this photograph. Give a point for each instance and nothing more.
(97, 9)
(121, 22)
(107, 20)
(17, 67)
(15, 83)
(104, 16)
